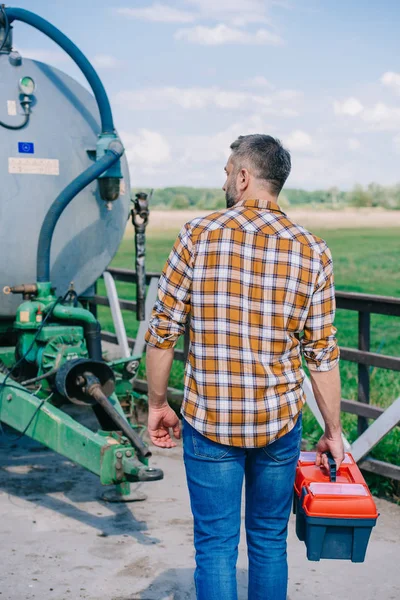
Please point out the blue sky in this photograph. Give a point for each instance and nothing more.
(186, 77)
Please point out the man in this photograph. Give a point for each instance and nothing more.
(259, 292)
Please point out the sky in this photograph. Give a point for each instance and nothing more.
(186, 77)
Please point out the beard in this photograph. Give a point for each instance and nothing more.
(231, 195)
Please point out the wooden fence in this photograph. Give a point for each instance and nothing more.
(364, 305)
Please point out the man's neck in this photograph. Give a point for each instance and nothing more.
(258, 195)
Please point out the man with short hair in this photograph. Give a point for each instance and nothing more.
(259, 292)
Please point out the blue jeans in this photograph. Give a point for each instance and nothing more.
(215, 475)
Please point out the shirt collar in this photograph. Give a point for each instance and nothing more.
(256, 203)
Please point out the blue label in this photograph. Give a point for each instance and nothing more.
(26, 148)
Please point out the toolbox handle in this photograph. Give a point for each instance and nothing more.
(332, 466)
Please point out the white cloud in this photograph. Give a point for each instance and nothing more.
(223, 34)
(382, 117)
(161, 13)
(288, 95)
(53, 57)
(316, 171)
(232, 16)
(353, 144)
(392, 80)
(105, 61)
(396, 143)
(351, 107)
(146, 149)
(260, 81)
(284, 112)
(299, 141)
(192, 99)
(237, 100)
(213, 150)
(238, 12)
(198, 158)
(379, 117)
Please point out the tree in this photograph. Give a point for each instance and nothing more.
(180, 202)
(360, 197)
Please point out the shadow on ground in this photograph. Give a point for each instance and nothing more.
(178, 584)
(31, 471)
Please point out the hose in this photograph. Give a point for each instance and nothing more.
(26, 16)
(6, 27)
(44, 376)
(15, 127)
(61, 202)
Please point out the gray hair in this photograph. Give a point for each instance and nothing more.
(265, 156)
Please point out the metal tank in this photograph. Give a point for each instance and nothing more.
(36, 163)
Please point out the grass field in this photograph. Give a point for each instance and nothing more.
(365, 260)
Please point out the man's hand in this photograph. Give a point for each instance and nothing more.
(161, 420)
(332, 444)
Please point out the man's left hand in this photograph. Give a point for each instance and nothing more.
(160, 421)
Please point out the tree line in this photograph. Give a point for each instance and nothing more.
(372, 195)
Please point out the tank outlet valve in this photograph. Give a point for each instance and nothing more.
(109, 189)
(110, 181)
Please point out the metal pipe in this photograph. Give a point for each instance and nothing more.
(116, 314)
(93, 389)
(89, 323)
(72, 313)
(141, 210)
(55, 211)
(26, 16)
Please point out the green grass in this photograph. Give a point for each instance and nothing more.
(364, 261)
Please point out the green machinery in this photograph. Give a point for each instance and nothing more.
(64, 203)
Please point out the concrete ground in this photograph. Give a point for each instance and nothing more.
(60, 541)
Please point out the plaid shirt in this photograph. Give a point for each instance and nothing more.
(259, 292)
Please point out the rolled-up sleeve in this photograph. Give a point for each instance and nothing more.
(319, 344)
(171, 310)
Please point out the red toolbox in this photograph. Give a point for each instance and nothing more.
(335, 512)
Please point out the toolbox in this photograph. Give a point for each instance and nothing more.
(335, 511)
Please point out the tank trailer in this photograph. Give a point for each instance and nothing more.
(64, 204)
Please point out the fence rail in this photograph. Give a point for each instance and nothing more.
(363, 304)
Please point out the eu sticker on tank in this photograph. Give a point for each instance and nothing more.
(26, 147)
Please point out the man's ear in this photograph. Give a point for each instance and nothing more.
(243, 180)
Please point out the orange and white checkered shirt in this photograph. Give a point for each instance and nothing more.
(259, 292)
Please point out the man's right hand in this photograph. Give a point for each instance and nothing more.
(332, 444)
(161, 420)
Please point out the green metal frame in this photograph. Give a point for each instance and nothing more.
(105, 454)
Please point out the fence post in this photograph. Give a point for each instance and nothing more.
(364, 331)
